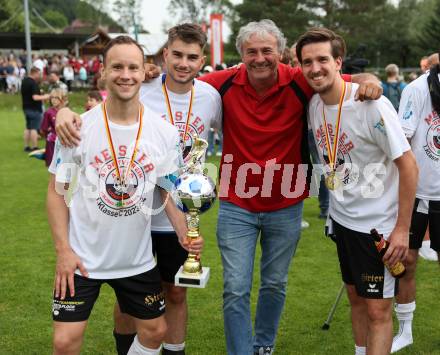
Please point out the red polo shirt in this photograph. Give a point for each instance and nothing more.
(262, 138)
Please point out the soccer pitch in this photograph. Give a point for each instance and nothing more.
(27, 260)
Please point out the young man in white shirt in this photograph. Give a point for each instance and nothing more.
(104, 235)
(372, 175)
(192, 106)
(419, 115)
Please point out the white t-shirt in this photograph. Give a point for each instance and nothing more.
(109, 229)
(370, 139)
(422, 125)
(206, 113)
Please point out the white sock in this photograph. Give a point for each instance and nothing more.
(138, 349)
(405, 314)
(174, 347)
(360, 350)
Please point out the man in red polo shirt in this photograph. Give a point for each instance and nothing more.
(261, 184)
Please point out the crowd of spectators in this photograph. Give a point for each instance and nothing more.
(68, 69)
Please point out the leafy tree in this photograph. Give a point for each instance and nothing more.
(291, 16)
(429, 36)
(198, 11)
(11, 17)
(129, 14)
(55, 18)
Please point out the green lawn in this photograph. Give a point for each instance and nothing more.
(27, 268)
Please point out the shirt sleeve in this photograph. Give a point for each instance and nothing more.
(218, 111)
(384, 128)
(170, 163)
(409, 110)
(65, 163)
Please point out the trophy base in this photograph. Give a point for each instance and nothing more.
(198, 281)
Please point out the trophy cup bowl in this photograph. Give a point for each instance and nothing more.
(196, 193)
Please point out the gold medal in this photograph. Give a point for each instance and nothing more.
(332, 181)
(121, 184)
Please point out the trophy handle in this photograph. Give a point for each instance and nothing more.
(197, 152)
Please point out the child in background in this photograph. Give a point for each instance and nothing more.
(93, 98)
(58, 99)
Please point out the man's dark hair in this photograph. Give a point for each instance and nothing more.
(188, 33)
(34, 70)
(319, 35)
(119, 41)
(94, 94)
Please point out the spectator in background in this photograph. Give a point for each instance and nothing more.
(102, 88)
(32, 107)
(393, 87)
(286, 57)
(69, 76)
(93, 98)
(83, 76)
(58, 99)
(424, 64)
(40, 64)
(294, 61)
(56, 83)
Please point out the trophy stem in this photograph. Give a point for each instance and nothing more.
(192, 266)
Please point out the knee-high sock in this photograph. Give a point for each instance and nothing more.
(138, 349)
(404, 314)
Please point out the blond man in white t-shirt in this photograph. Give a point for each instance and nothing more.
(372, 175)
(104, 234)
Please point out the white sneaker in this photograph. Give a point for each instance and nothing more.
(304, 224)
(218, 154)
(426, 252)
(400, 341)
(209, 153)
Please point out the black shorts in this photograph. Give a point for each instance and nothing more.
(170, 255)
(140, 296)
(361, 264)
(33, 119)
(419, 224)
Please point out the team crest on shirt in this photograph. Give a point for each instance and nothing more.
(343, 158)
(432, 147)
(195, 128)
(115, 199)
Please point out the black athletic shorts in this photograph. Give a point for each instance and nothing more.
(170, 255)
(140, 296)
(361, 264)
(420, 221)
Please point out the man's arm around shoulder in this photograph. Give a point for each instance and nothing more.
(67, 126)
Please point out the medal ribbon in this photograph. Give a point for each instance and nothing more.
(333, 150)
(122, 179)
(170, 113)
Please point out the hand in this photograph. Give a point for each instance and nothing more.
(151, 71)
(67, 126)
(67, 263)
(192, 245)
(398, 248)
(369, 89)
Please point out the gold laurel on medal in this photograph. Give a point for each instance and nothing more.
(332, 181)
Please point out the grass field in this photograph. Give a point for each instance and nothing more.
(27, 267)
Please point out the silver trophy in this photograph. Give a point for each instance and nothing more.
(196, 192)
